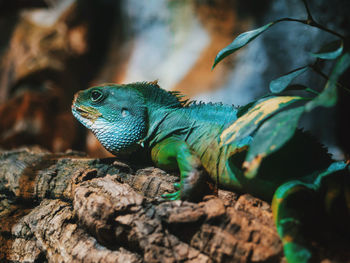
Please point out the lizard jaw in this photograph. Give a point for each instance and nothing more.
(86, 112)
(87, 118)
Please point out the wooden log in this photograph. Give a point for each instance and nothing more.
(66, 207)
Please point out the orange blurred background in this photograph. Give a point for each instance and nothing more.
(51, 49)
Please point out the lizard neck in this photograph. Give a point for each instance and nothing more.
(165, 122)
(188, 123)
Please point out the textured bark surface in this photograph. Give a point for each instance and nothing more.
(67, 207)
(70, 208)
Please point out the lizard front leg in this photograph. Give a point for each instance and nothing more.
(194, 180)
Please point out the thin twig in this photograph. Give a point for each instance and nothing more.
(315, 24)
(309, 16)
(317, 70)
(310, 23)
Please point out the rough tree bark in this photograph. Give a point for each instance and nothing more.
(67, 207)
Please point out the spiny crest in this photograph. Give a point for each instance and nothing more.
(219, 106)
(156, 95)
(216, 112)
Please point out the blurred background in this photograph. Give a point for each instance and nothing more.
(49, 49)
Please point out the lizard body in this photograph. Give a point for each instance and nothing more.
(203, 141)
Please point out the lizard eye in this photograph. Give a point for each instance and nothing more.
(96, 96)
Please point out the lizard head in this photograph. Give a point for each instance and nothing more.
(116, 114)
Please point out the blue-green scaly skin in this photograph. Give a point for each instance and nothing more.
(188, 136)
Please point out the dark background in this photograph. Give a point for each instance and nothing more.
(51, 49)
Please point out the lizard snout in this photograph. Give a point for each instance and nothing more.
(76, 95)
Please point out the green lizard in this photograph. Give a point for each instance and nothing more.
(208, 142)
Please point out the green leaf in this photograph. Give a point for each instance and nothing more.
(333, 168)
(301, 87)
(331, 50)
(243, 109)
(296, 87)
(247, 123)
(280, 84)
(240, 41)
(270, 137)
(328, 97)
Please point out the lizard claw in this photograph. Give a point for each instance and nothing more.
(172, 196)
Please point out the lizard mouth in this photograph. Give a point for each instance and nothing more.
(86, 112)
